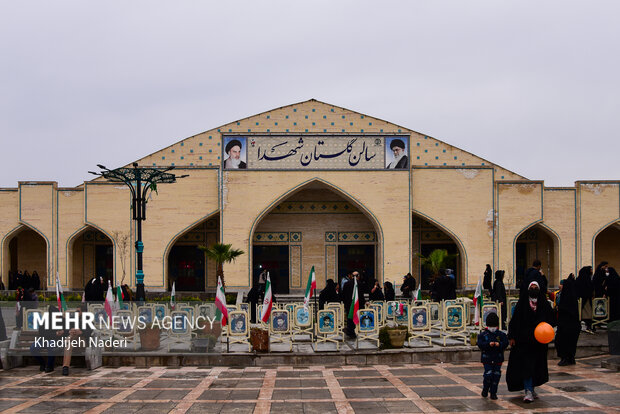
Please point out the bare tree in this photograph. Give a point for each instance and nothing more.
(122, 244)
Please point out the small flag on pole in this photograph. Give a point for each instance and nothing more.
(220, 303)
(310, 288)
(268, 301)
(119, 297)
(109, 302)
(478, 301)
(60, 297)
(417, 295)
(173, 300)
(355, 306)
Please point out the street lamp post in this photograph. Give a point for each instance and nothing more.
(139, 180)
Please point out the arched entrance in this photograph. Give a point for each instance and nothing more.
(607, 246)
(187, 265)
(25, 250)
(428, 236)
(90, 253)
(315, 225)
(537, 242)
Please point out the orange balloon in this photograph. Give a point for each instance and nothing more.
(544, 333)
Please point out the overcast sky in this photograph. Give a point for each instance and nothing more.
(533, 86)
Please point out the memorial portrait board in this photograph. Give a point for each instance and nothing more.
(279, 321)
(238, 323)
(180, 325)
(160, 310)
(302, 316)
(124, 321)
(367, 320)
(419, 318)
(486, 311)
(454, 317)
(327, 319)
(599, 306)
(145, 313)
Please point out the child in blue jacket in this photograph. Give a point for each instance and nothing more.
(492, 342)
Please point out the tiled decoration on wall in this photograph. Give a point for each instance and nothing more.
(204, 150)
(331, 236)
(271, 237)
(295, 236)
(315, 207)
(356, 236)
(295, 257)
(330, 262)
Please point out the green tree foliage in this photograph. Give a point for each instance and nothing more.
(221, 253)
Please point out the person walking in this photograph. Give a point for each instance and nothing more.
(388, 291)
(408, 285)
(527, 363)
(375, 292)
(487, 280)
(492, 343)
(498, 294)
(612, 292)
(585, 287)
(568, 322)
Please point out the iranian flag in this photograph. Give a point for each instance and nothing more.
(267, 302)
(60, 297)
(417, 295)
(220, 302)
(310, 288)
(173, 300)
(119, 297)
(109, 302)
(478, 301)
(355, 306)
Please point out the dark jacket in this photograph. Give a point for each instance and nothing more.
(389, 291)
(533, 275)
(328, 294)
(613, 293)
(492, 354)
(408, 286)
(488, 278)
(585, 286)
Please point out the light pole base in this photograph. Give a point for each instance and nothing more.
(140, 294)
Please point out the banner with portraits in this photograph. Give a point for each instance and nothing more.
(315, 152)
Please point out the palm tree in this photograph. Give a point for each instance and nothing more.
(221, 253)
(436, 260)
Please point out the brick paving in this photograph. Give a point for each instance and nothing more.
(411, 388)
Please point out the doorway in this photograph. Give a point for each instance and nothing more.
(276, 260)
(357, 257)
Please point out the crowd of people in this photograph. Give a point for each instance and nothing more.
(527, 362)
(23, 280)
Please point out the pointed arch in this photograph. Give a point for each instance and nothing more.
(4, 249)
(69, 252)
(379, 253)
(176, 238)
(555, 270)
(610, 226)
(455, 238)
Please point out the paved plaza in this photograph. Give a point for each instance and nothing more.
(411, 388)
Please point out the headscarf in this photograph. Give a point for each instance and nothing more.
(533, 301)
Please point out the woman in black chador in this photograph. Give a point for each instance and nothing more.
(613, 294)
(527, 363)
(498, 294)
(328, 294)
(253, 298)
(585, 288)
(569, 325)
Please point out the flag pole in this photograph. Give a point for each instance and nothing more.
(316, 320)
